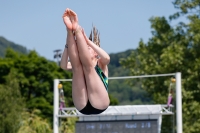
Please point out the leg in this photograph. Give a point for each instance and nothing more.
(79, 92)
(97, 93)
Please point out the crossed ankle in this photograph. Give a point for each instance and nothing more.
(78, 29)
(69, 31)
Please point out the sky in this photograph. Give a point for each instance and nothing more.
(38, 24)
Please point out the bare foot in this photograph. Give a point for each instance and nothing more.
(74, 20)
(66, 19)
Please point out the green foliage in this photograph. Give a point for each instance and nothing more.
(170, 50)
(113, 100)
(35, 75)
(115, 57)
(186, 7)
(68, 125)
(126, 94)
(12, 104)
(115, 69)
(32, 123)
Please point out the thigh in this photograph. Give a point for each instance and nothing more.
(79, 91)
(97, 93)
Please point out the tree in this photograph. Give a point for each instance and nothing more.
(12, 104)
(35, 75)
(173, 49)
(32, 123)
(67, 125)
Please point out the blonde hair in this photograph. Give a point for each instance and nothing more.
(96, 38)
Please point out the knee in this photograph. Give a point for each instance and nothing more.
(107, 103)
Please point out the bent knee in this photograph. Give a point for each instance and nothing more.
(105, 105)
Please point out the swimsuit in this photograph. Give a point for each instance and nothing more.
(89, 109)
(102, 76)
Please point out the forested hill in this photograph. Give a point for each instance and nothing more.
(4, 44)
(115, 68)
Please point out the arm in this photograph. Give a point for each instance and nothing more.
(64, 63)
(104, 57)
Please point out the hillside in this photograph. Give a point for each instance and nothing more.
(4, 44)
(115, 68)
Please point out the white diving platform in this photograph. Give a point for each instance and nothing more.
(125, 110)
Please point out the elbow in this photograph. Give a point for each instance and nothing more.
(62, 66)
(67, 67)
(106, 60)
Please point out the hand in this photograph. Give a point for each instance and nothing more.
(66, 19)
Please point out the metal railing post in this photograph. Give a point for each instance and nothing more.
(179, 103)
(56, 107)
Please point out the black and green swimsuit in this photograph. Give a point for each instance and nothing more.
(104, 79)
(89, 109)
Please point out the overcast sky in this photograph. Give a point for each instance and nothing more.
(38, 24)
